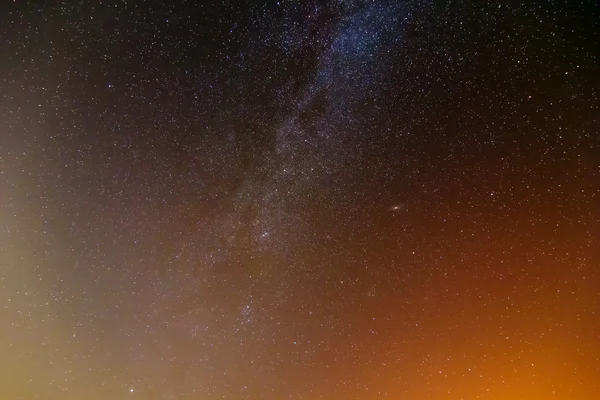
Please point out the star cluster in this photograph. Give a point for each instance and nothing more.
(299, 200)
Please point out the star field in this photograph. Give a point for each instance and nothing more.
(299, 200)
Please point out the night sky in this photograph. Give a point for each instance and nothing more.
(299, 200)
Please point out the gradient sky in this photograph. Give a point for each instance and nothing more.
(299, 200)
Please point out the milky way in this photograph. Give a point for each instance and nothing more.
(299, 200)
